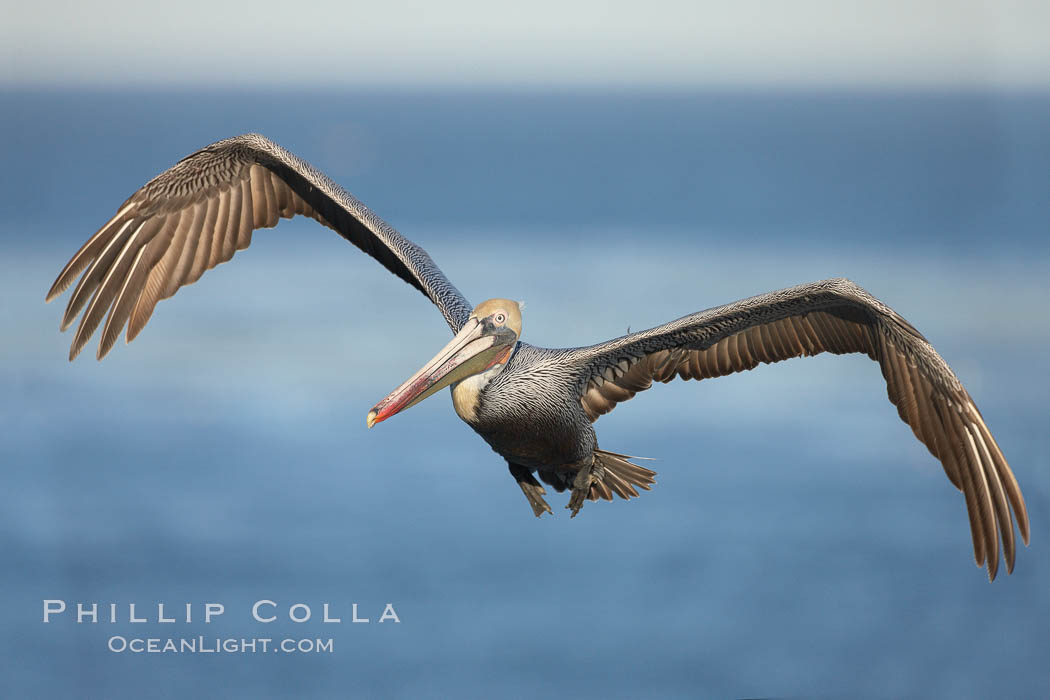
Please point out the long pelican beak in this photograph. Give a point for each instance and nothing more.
(470, 352)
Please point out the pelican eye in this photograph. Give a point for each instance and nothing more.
(499, 318)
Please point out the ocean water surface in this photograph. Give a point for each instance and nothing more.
(799, 541)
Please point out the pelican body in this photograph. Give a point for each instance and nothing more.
(534, 406)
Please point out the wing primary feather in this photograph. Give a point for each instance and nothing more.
(982, 499)
(987, 504)
(1002, 509)
(969, 487)
(150, 246)
(111, 331)
(157, 279)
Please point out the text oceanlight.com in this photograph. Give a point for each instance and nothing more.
(217, 645)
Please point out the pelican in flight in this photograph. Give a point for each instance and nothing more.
(534, 406)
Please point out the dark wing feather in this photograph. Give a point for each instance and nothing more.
(834, 316)
(199, 213)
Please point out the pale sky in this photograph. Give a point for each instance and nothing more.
(967, 43)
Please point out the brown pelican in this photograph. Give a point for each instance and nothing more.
(534, 406)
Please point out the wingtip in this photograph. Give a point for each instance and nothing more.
(59, 286)
(133, 329)
(67, 319)
(1023, 525)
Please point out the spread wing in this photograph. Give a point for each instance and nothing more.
(834, 316)
(198, 213)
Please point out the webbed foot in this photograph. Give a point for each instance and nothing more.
(581, 486)
(531, 488)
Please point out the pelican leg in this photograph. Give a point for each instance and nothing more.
(531, 488)
(581, 485)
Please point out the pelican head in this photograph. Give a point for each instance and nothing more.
(481, 348)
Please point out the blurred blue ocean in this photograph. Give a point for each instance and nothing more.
(800, 541)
